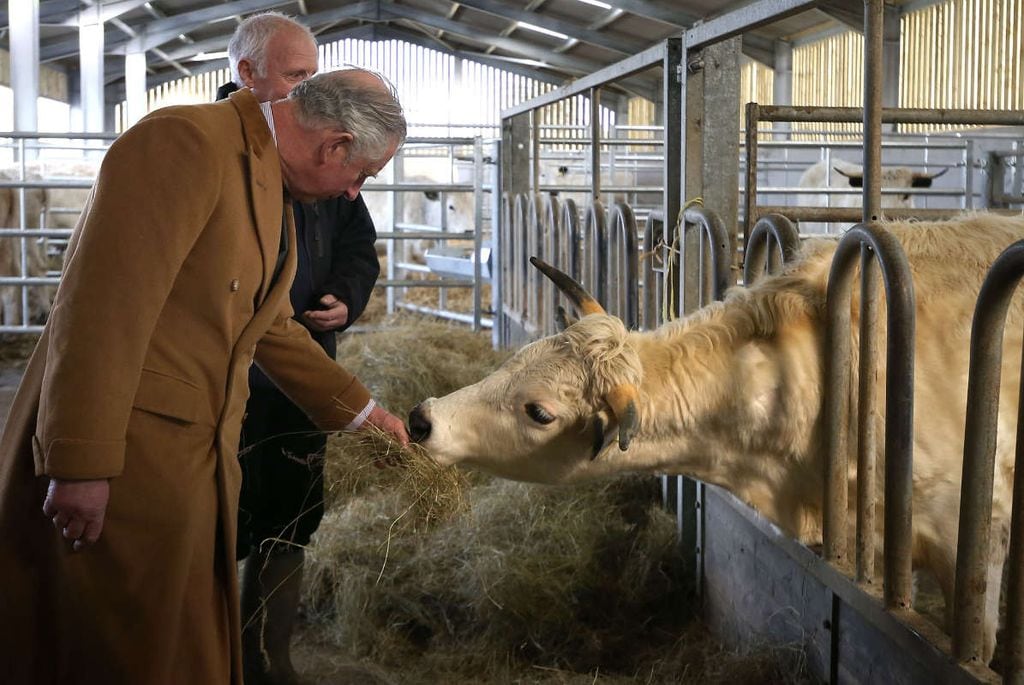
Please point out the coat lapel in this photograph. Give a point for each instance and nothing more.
(265, 186)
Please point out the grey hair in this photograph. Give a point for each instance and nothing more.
(250, 40)
(346, 99)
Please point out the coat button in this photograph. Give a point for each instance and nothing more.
(234, 285)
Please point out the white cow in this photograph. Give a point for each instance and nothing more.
(845, 175)
(733, 395)
(422, 208)
(44, 208)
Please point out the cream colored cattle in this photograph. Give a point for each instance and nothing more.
(51, 207)
(423, 209)
(732, 395)
(843, 175)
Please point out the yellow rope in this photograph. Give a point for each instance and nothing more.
(668, 299)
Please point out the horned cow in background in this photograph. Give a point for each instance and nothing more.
(733, 395)
(428, 208)
(844, 175)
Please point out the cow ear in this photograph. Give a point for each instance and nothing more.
(564, 319)
(598, 441)
(921, 182)
(623, 401)
(432, 195)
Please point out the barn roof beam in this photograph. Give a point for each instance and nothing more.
(663, 12)
(572, 65)
(849, 14)
(609, 77)
(619, 44)
(50, 12)
(108, 11)
(759, 48)
(389, 33)
(743, 20)
(115, 82)
(156, 33)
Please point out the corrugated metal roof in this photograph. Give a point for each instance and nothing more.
(179, 36)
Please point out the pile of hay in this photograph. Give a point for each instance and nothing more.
(438, 576)
(17, 347)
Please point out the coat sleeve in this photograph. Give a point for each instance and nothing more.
(154, 194)
(330, 395)
(354, 263)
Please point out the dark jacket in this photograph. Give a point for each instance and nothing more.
(336, 255)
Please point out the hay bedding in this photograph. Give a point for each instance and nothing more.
(435, 575)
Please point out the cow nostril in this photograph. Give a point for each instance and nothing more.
(419, 424)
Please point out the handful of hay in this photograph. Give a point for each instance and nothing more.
(412, 359)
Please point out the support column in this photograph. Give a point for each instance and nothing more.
(90, 53)
(782, 84)
(891, 57)
(134, 86)
(23, 16)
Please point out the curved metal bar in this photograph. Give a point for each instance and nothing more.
(504, 273)
(570, 255)
(651, 306)
(973, 541)
(534, 281)
(715, 234)
(899, 399)
(518, 254)
(552, 252)
(772, 242)
(624, 265)
(595, 252)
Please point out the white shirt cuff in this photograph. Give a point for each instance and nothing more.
(361, 417)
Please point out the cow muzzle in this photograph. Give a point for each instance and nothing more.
(419, 424)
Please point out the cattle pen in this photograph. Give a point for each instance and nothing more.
(670, 156)
(754, 584)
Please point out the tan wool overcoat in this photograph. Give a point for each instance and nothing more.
(141, 377)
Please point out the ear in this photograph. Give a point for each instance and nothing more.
(564, 319)
(246, 73)
(336, 146)
(601, 434)
(921, 182)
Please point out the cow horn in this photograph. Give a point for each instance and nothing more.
(623, 399)
(583, 300)
(843, 173)
(932, 177)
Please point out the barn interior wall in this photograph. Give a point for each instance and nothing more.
(53, 83)
(443, 95)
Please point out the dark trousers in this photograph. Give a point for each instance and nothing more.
(282, 459)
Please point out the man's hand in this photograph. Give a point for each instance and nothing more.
(77, 508)
(388, 423)
(333, 315)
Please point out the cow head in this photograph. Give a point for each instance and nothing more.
(892, 177)
(550, 409)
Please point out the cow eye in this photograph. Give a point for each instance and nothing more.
(538, 414)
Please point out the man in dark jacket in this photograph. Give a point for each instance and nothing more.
(281, 451)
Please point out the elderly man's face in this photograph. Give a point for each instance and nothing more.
(291, 59)
(332, 171)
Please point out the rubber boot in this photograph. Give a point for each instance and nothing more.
(270, 602)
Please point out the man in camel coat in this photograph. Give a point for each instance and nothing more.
(118, 473)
